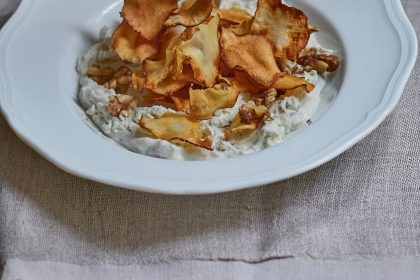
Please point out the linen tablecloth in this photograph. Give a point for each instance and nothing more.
(356, 217)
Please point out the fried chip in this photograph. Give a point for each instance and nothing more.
(172, 126)
(185, 5)
(204, 102)
(149, 98)
(286, 27)
(158, 70)
(181, 99)
(147, 16)
(242, 83)
(192, 16)
(297, 92)
(131, 46)
(251, 53)
(288, 81)
(234, 15)
(243, 28)
(204, 53)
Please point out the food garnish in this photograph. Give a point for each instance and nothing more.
(198, 58)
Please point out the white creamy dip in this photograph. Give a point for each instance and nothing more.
(288, 115)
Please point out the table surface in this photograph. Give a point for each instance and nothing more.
(358, 216)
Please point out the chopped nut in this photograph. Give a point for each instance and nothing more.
(265, 98)
(311, 60)
(251, 112)
(270, 97)
(121, 105)
(100, 75)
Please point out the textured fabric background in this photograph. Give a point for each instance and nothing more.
(363, 204)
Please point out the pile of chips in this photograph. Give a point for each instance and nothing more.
(198, 58)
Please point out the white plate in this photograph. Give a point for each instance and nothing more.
(38, 87)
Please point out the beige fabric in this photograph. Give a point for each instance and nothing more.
(365, 203)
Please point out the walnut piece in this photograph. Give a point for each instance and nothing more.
(121, 105)
(251, 112)
(310, 59)
(119, 80)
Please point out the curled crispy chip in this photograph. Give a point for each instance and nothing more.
(233, 14)
(297, 92)
(181, 99)
(167, 86)
(192, 16)
(158, 70)
(203, 51)
(147, 16)
(287, 27)
(131, 46)
(204, 102)
(242, 83)
(288, 81)
(243, 28)
(185, 5)
(252, 54)
(172, 126)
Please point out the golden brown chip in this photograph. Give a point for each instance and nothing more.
(172, 126)
(167, 86)
(243, 28)
(186, 5)
(297, 92)
(204, 102)
(312, 28)
(252, 54)
(157, 71)
(181, 99)
(147, 16)
(233, 14)
(286, 27)
(131, 46)
(149, 98)
(204, 53)
(193, 16)
(288, 81)
(242, 83)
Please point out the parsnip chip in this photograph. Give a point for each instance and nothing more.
(233, 14)
(286, 27)
(288, 81)
(193, 16)
(185, 5)
(172, 126)
(131, 46)
(149, 98)
(181, 99)
(297, 92)
(204, 53)
(243, 28)
(147, 16)
(204, 102)
(242, 83)
(167, 86)
(157, 71)
(252, 54)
